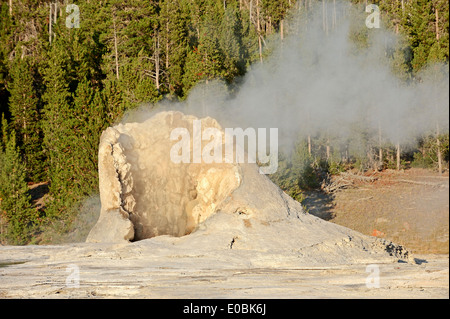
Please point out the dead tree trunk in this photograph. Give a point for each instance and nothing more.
(157, 62)
(258, 28)
(438, 142)
(380, 148)
(309, 144)
(437, 25)
(54, 19)
(325, 17)
(439, 154)
(328, 150)
(308, 125)
(51, 20)
(334, 15)
(398, 156)
(167, 52)
(50, 24)
(115, 47)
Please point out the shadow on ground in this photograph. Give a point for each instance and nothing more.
(319, 204)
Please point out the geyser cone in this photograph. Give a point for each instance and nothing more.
(149, 194)
(219, 206)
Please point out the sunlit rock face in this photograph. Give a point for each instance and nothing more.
(144, 193)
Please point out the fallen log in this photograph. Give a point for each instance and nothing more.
(345, 180)
(359, 177)
(422, 183)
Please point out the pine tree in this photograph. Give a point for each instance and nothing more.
(23, 105)
(439, 50)
(401, 61)
(420, 31)
(205, 61)
(56, 123)
(133, 46)
(5, 48)
(305, 176)
(113, 99)
(14, 197)
(173, 21)
(249, 39)
(230, 42)
(136, 82)
(275, 11)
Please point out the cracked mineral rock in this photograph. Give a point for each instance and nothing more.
(145, 194)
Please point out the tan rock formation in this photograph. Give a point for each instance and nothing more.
(145, 194)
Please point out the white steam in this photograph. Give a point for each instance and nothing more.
(318, 83)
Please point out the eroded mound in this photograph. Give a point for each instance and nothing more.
(145, 194)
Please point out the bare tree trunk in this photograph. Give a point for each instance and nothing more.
(308, 126)
(115, 47)
(325, 16)
(437, 25)
(380, 157)
(167, 53)
(346, 153)
(439, 154)
(282, 30)
(258, 28)
(438, 142)
(51, 20)
(50, 24)
(380, 149)
(56, 10)
(10, 8)
(309, 144)
(398, 156)
(204, 106)
(334, 14)
(157, 62)
(25, 136)
(328, 149)
(370, 157)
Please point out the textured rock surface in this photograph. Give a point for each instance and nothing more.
(162, 268)
(144, 194)
(141, 188)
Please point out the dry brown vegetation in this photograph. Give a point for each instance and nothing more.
(409, 207)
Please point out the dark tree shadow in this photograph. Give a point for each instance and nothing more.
(419, 261)
(38, 191)
(319, 204)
